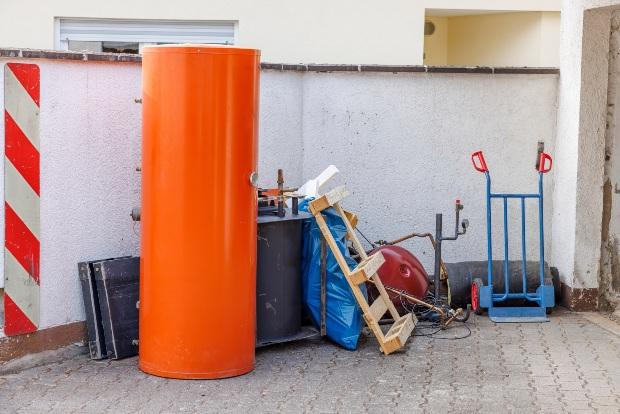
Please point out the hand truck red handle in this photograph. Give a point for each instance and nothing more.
(542, 162)
(481, 165)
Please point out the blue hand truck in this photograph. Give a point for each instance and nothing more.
(482, 295)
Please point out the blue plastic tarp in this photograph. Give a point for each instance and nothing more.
(344, 319)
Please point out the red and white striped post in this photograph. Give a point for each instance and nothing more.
(21, 198)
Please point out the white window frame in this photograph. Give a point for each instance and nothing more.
(173, 31)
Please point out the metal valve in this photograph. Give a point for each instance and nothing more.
(136, 213)
(254, 179)
(464, 224)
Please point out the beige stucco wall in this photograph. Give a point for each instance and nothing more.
(436, 45)
(580, 144)
(498, 5)
(499, 39)
(550, 38)
(322, 31)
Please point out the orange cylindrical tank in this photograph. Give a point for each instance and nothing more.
(198, 260)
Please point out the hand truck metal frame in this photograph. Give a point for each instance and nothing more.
(484, 296)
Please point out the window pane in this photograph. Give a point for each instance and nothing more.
(147, 31)
(81, 46)
(120, 47)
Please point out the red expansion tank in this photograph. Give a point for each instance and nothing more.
(402, 271)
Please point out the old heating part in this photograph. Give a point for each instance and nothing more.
(275, 198)
(402, 271)
(483, 295)
(365, 271)
(440, 272)
(278, 272)
(435, 303)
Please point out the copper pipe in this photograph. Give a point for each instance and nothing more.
(417, 301)
(457, 313)
(413, 299)
(444, 322)
(409, 236)
(444, 271)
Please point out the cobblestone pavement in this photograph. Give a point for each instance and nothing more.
(567, 365)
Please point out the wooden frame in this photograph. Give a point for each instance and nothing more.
(365, 271)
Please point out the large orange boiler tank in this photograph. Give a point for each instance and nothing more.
(199, 207)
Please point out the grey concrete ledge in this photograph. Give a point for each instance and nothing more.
(128, 58)
(411, 68)
(68, 55)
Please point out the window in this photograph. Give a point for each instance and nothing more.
(129, 36)
(113, 47)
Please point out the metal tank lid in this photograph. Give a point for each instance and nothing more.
(201, 48)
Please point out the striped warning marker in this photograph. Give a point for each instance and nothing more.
(21, 198)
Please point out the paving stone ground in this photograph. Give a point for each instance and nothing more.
(567, 365)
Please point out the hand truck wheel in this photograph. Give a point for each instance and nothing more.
(476, 286)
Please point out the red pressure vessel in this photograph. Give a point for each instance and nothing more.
(198, 259)
(402, 271)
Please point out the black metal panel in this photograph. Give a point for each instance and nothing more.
(118, 287)
(94, 328)
(278, 281)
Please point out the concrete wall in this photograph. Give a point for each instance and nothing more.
(90, 148)
(550, 38)
(402, 142)
(609, 280)
(281, 128)
(582, 115)
(345, 31)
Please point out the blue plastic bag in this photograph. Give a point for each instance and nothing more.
(344, 319)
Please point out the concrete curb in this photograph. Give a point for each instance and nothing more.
(17, 365)
(602, 321)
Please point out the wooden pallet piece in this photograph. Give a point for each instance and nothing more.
(328, 200)
(365, 271)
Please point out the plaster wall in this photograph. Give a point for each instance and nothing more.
(281, 128)
(323, 31)
(90, 148)
(504, 39)
(609, 280)
(565, 229)
(402, 142)
(591, 144)
(582, 110)
(436, 45)
(494, 39)
(495, 5)
(403, 145)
